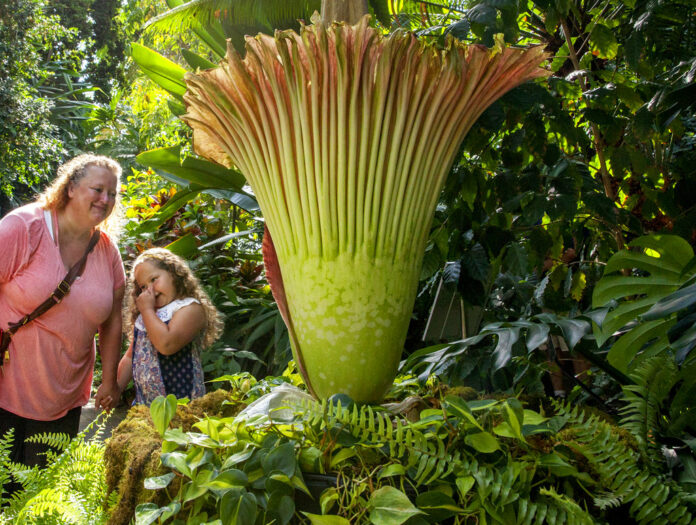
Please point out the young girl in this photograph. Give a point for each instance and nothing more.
(170, 319)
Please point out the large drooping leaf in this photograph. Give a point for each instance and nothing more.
(197, 175)
(270, 13)
(196, 170)
(161, 70)
(636, 279)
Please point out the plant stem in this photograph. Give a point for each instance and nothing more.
(599, 147)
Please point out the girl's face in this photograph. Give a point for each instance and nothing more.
(160, 282)
(94, 195)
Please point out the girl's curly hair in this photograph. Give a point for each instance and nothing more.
(187, 285)
(56, 197)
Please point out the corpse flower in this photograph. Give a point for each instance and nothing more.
(346, 137)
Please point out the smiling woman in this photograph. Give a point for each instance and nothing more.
(48, 376)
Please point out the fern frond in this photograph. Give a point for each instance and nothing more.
(606, 500)
(653, 498)
(426, 458)
(59, 441)
(654, 379)
(5, 451)
(51, 505)
(72, 487)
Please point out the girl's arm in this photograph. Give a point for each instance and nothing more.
(125, 369)
(184, 326)
(110, 350)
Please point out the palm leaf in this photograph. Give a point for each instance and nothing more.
(267, 13)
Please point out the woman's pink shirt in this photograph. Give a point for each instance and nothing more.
(51, 358)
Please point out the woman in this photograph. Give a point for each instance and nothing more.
(51, 360)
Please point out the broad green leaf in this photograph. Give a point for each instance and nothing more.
(514, 415)
(437, 505)
(683, 346)
(227, 479)
(166, 212)
(507, 337)
(192, 491)
(476, 263)
(625, 350)
(504, 429)
(458, 407)
(159, 482)
(170, 510)
(326, 519)
(557, 465)
(176, 461)
(238, 507)
(516, 259)
(390, 506)
(162, 411)
(196, 61)
(672, 303)
(481, 404)
(620, 316)
(533, 418)
(464, 485)
(573, 329)
(282, 506)
(341, 456)
(184, 246)
(674, 251)
(161, 70)
(392, 470)
(537, 335)
(281, 459)
(195, 170)
(614, 287)
(147, 513)
(482, 441)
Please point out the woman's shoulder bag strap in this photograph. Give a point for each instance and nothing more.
(57, 296)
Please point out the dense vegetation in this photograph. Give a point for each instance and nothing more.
(567, 220)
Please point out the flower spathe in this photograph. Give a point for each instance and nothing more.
(346, 137)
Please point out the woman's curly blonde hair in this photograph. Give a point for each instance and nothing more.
(56, 196)
(187, 285)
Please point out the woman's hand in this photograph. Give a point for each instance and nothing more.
(107, 397)
(146, 300)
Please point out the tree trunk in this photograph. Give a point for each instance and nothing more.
(350, 11)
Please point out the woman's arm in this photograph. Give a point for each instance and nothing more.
(125, 369)
(184, 326)
(110, 350)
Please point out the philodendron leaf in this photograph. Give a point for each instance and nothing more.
(159, 482)
(227, 480)
(438, 505)
(184, 247)
(238, 507)
(147, 513)
(483, 442)
(162, 411)
(327, 519)
(176, 461)
(679, 300)
(390, 506)
(281, 459)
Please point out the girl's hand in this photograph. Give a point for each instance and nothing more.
(146, 300)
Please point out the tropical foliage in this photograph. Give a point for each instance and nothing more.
(70, 489)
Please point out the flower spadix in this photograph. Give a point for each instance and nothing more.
(346, 137)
